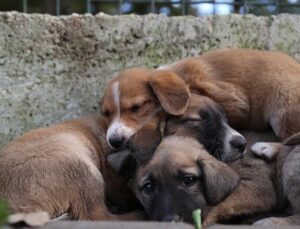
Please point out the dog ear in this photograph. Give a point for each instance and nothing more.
(171, 91)
(143, 144)
(219, 180)
(122, 163)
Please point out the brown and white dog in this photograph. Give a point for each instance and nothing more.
(62, 169)
(139, 100)
(256, 89)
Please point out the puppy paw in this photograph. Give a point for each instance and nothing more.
(271, 221)
(264, 149)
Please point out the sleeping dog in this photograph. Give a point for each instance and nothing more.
(63, 169)
(188, 175)
(255, 88)
(203, 119)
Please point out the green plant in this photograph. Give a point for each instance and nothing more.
(3, 212)
(197, 218)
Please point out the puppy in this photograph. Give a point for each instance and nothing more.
(205, 121)
(287, 158)
(256, 89)
(138, 99)
(62, 168)
(182, 176)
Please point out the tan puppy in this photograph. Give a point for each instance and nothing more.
(256, 89)
(287, 157)
(182, 176)
(62, 169)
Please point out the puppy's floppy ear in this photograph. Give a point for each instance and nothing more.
(171, 91)
(122, 163)
(143, 144)
(219, 180)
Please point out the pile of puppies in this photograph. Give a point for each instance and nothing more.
(166, 141)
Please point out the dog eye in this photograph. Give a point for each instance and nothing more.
(135, 108)
(204, 115)
(189, 180)
(148, 188)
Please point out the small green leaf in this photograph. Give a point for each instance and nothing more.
(197, 218)
(3, 212)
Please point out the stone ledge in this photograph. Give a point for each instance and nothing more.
(55, 68)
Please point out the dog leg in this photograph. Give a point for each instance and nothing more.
(259, 199)
(266, 149)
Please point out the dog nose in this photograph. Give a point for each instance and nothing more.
(239, 143)
(116, 142)
(171, 218)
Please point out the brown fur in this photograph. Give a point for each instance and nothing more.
(255, 192)
(256, 89)
(142, 93)
(287, 159)
(62, 168)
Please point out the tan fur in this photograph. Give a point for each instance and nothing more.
(61, 168)
(255, 192)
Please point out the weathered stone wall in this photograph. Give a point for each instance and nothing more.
(55, 68)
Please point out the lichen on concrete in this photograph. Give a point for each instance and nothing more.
(56, 68)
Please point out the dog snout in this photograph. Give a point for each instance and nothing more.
(239, 143)
(171, 218)
(116, 141)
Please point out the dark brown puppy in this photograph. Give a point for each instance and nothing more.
(62, 169)
(287, 158)
(182, 176)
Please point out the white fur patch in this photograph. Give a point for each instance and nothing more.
(116, 97)
(163, 67)
(263, 149)
(230, 134)
(118, 128)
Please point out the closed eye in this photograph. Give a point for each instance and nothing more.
(187, 120)
(137, 106)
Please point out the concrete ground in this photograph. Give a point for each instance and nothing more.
(144, 225)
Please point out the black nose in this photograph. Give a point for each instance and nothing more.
(116, 142)
(239, 143)
(171, 218)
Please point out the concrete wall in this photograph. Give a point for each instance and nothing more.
(55, 68)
